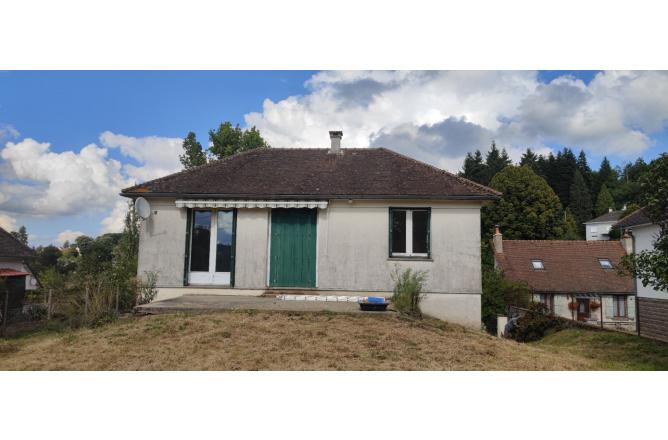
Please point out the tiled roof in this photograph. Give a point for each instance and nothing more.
(570, 266)
(637, 217)
(313, 173)
(612, 216)
(11, 247)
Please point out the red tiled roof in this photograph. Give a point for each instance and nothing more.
(313, 173)
(11, 273)
(570, 266)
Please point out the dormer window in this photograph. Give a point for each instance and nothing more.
(605, 263)
(537, 265)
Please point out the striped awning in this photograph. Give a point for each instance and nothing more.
(248, 204)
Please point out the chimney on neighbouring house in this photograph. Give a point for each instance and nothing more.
(627, 243)
(335, 137)
(497, 241)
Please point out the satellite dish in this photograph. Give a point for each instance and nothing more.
(143, 207)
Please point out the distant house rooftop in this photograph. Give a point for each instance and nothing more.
(560, 266)
(608, 217)
(636, 218)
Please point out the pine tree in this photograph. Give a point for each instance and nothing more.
(561, 174)
(584, 169)
(606, 176)
(495, 161)
(529, 159)
(21, 235)
(474, 167)
(604, 201)
(193, 154)
(581, 206)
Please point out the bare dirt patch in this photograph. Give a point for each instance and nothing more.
(252, 340)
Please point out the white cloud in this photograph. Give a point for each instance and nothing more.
(8, 131)
(438, 116)
(68, 235)
(115, 221)
(7, 222)
(40, 182)
(158, 156)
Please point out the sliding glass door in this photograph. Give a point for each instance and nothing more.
(212, 247)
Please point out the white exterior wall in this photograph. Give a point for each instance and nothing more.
(352, 253)
(643, 240)
(598, 231)
(19, 265)
(609, 320)
(162, 243)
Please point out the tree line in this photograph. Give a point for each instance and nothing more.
(583, 193)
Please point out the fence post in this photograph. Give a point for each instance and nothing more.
(117, 293)
(86, 305)
(49, 305)
(4, 313)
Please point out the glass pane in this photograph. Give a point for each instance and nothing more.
(224, 242)
(420, 232)
(398, 232)
(201, 238)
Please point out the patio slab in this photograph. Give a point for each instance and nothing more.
(210, 303)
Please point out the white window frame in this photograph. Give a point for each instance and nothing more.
(409, 233)
(616, 300)
(542, 264)
(600, 262)
(211, 277)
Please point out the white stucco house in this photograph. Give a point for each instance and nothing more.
(332, 221)
(599, 228)
(652, 303)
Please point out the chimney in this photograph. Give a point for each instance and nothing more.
(627, 242)
(497, 241)
(335, 137)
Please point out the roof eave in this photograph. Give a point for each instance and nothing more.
(311, 196)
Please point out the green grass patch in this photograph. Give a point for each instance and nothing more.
(609, 350)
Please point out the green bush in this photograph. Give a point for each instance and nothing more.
(534, 324)
(497, 294)
(146, 291)
(408, 285)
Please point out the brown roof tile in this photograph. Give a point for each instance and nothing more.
(570, 266)
(314, 173)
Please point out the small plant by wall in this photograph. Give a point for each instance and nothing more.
(408, 285)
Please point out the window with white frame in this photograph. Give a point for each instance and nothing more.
(605, 263)
(410, 232)
(537, 265)
(619, 306)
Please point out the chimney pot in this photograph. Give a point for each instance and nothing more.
(497, 241)
(335, 138)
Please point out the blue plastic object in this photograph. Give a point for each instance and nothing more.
(376, 299)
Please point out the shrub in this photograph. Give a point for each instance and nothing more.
(497, 294)
(146, 291)
(534, 324)
(408, 285)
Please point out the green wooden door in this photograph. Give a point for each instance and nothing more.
(293, 248)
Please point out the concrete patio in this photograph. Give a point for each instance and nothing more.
(211, 303)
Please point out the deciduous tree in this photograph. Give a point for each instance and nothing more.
(193, 154)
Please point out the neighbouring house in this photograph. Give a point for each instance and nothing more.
(14, 270)
(335, 220)
(652, 303)
(576, 279)
(599, 228)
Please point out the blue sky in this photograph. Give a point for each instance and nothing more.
(130, 124)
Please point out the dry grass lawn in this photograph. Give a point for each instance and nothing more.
(246, 340)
